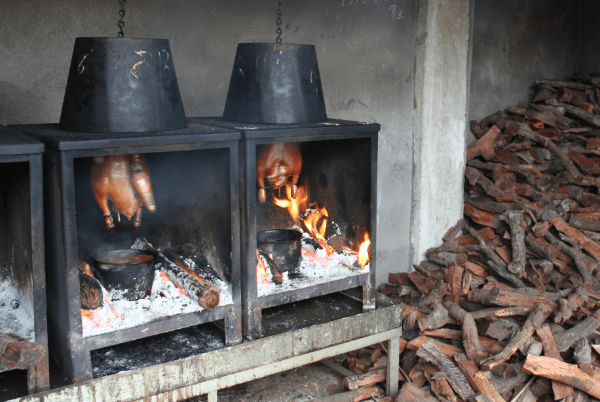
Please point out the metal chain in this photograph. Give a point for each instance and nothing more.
(278, 22)
(121, 23)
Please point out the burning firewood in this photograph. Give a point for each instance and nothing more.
(195, 280)
(89, 288)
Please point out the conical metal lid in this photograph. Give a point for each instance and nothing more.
(275, 83)
(122, 85)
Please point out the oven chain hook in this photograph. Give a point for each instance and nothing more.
(121, 23)
(278, 22)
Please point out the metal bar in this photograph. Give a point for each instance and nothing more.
(147, 149)
(212, 396)
(281, 366)
(313, 291)
(162, 325)
(338, 368)
(391, 380)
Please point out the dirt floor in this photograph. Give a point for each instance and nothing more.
(307, 383)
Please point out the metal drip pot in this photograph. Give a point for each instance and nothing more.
(122, 85)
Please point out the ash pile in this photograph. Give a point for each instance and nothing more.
(507, 308)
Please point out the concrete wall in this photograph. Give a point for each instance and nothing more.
(517, 42)
(364, 47)
(442, 62)
(590, 36)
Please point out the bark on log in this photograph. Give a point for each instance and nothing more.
(556, 370)
(470, 336)
(431, 353)
(90, 291)
(551, 350)
(586, 327)
(484, 146)
(369, 378)
(478, 381)
(537, 316)
(183, 276)
(517, 238)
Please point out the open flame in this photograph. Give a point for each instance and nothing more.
(363, 251)
(311, 217)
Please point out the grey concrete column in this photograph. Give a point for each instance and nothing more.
(440, 119)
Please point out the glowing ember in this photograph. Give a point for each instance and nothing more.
(263, 276)
(101, 316)
(363, 252)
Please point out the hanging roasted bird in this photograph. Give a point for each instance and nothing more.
(278, 165)
(125, 181)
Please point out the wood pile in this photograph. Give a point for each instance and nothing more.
(508, 307)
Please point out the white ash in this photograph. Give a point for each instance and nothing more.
(166, 300)
(16, 312)
(315, 271)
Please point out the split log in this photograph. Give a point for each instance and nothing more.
(585, 328)
(431, 353)
(484, 146)
(441, 388)
(436, 319)
(411, 393)
(551, 350)
(510, 297)
(565, 373)
(478, 381)
(470, 337)
(537, 316)
(517, 237)
(526, 132)
(357, 395)
(182, 275)
(448, 350)
(368, 378)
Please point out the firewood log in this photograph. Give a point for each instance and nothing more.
(551, 350)
(430, 352)
(537, 316)
(470, 337)
(90, 291)
(565, 373)
(182, 275)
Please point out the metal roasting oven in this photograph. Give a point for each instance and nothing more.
(22, 273)
(195, 181)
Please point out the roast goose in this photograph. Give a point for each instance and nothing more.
(125, 181)
(278, 165)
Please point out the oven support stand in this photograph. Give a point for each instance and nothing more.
(212, 386)
(209, 372)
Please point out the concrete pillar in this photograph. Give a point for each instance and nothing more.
(440, 119)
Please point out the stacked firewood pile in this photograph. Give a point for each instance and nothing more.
(508, 307)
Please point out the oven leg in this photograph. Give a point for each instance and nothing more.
(368, 297)
(212, 396)
(391, 380)
(252, 323)
(233, 330)
(38, 376)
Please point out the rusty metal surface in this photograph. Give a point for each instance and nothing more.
(222, 368)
